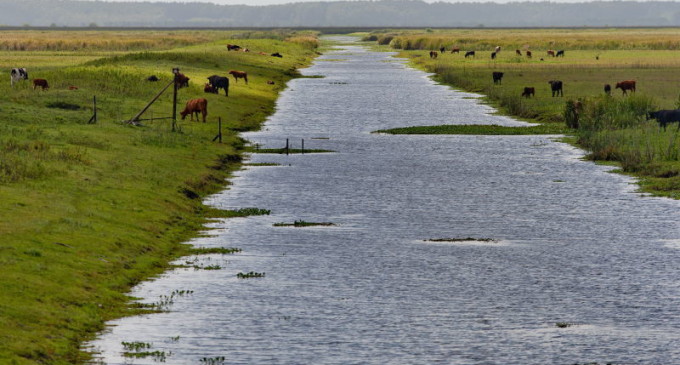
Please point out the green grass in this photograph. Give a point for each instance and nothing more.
(89, 210)
(612, 129)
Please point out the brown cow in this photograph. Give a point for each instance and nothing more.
(239, 75)
(73, 87)
(528, 54)
(433, 54)
(529, 91)
(209, 89)
(195, 106)
(455, 50)
(551, 53)
(181, 80)
(40, 83)
(518, 52)
(626, 85)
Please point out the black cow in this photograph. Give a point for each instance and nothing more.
(277, 54)
(559, 53)
(152, 78)
(556, 87)
(607, 89)
(493, 55)
(497, 77)
(442, 50)
(18, 74)
(219, 82)
(665, 117)
(469, 53)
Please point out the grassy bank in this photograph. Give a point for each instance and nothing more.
(89, 210)
(612, 129)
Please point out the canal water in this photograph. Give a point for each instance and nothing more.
(444, 249)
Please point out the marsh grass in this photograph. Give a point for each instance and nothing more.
(302, 223)
(476, 129)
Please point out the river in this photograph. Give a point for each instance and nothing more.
(580, 268)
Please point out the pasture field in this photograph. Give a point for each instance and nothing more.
(89, 210)
(613, 129)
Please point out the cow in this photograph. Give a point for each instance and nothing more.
(277, 54)
(469, 53)
(665, 117)
(433, 54)
(270, 82)
(239, 75)
(233, 47)
(626, 85)
(42, 83)
(528, 54)
(556, 87)
(497, 49)
(17, 74)
(559, 53)
(442, 50)
(245, 50)
(551, 53)
(497, 77)
(493, 55)
(455, 50)
(529, 91)
(607, 89)
(181, 80)
(219, 82)
(152, 78)
(262, 53)
(209, 89)
(195, 106)
(518, 52)
(73, 87)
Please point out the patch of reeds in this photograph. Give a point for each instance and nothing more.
(302, 223)
(476, 129)
(214, 250)
(250, 275)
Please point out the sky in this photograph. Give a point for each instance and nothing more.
(277, 2)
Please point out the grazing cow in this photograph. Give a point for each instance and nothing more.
(455, 50)
(152, 78)
(245, 50)
(529, 91)
(626, 85)
(42, 83)
(277, 54)
(262, 53)
(559, 53)
(469, 53)
(233, 47)
(493, 55)
(442, 50)
(195, 106)
(556, 87)
(433, 54)
(665, 117)
(181, 80)
(219, 82)
(528, 54)
(18, 74)
(239, 75)
(270, 82)
(518, 52)
(497, 49)
(73, 87)
(607, 89)
(497, 77)
(209, 89)
(551, 53)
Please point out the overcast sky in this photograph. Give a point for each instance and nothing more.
(272, 2)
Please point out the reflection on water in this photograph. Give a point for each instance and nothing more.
(575, 246)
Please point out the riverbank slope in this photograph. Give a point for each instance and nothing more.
(89, 210)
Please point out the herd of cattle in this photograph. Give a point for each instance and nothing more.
(193, 106)
(663, 117)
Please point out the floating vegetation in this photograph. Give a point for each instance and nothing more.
(559, 181)
(174, 339)
(135, 346)
(209, 267)
(159, 356)
(564, 324)
(249, 275)
(245, 212)
(213, 360)
(320, 138)
(468, 239)
(475, 129)
(262, 163)
(213, 250)
(338, 83)
(301, 223)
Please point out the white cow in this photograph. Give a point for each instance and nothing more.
(497, 50)
(18, 74)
